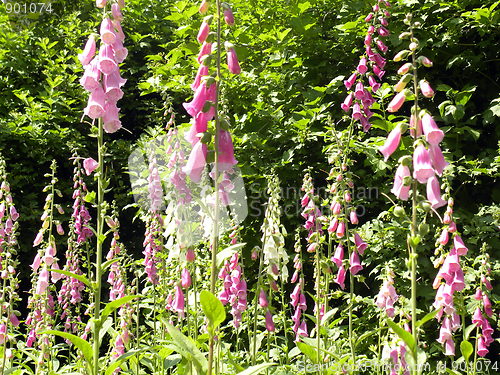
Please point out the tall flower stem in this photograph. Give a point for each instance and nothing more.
(215, 241)
(256, 305)
(318, 307)
(98, 262)
(414, 228)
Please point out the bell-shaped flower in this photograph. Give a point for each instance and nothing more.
(350, 81)
(399, 189)
(359, 93)
(88, 52)
(112, 86)
(362, 68)
(116, 12)
(338, 257)
(422, 168)
(434, 193)
(196, 162)
(392, 142)
(111, 120)
(373, 83)
(263, 302)
(269, 322)
(203, 32)
(120, 52)
(106, 62)
(340, 279)
(107, 31)
(206, 49)
(178, 303)
(90, 165)
(202, 72)
(355, 265)
(96, 103)
(437, 159)
(346, 105)
(232, 61)
(226, 158)
(360, 244)
(196, 105)
(185, 278)
(397, 102)
(426, 89)
(229, 16)
(482, 348)
(433, 134)
(91, 77)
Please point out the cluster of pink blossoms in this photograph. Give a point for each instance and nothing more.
(102, 74)
(298, 299)
(152, 245)
(234, 289)
(8, 262)
(264, 303)
(453, 276)
(202, 106)
(81, 216)
(428, 159)
(370, 65)
(312, 214)
(480, 315)
(118, 289)
(387, 296)
(342, 213)
(397, 354)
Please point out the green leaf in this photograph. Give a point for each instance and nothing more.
(426, 318)
(123, 358)
(90, 197)
(213, 309)
(308, 351)
(80, 343)
(81, 278)
(466, 348)
(113, 305)
(257, 369)
(186, 348)
(404, 335)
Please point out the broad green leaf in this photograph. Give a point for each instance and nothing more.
(308, 351)
(81, 278)
(80, 343)
(187, 348)
(257, 369)
(426, 318)
(113, 305)
(404, 335)
(123, 358)
(466, 348)
(213, 309)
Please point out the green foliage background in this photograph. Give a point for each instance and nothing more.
(294, 54)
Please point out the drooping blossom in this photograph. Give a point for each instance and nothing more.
(392, 143)
(234, 290)
(387, 296)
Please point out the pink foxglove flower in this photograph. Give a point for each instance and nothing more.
(426, 89)
(397, 102)
(399, 189)
(263, 299)
(88, 52)
(269, 322)
(350, 81)
(228, 16)
(96, 103)
(91, 77)
(434, 193)
(362, 68)
(106, 62)
(111, 121)
(226, 158)
(232, 61)
(422, 168)
(90, 165)
(205, 4)
(360, 244)
(433, 134)
(437, 159)
(203, 32)
(346, 105)
(459, 245)
(112, 86)
(340, 279)
(392, 143)
(355, 265)
(196, 162)
(206, 49)
(185, 278)
(178, 303)
(116, 12)
(338, 257)
(108, 35)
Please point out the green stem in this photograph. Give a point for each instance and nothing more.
(215, 242)
(318, 307)
(475, 352)
(98, 264)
